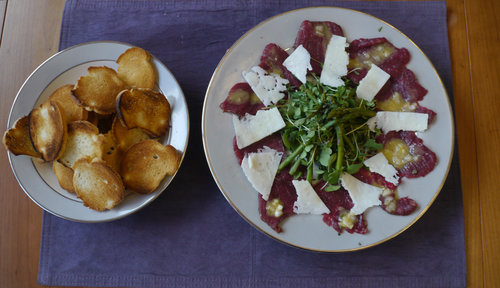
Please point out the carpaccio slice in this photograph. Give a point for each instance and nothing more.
(241, 100)
(402, 92)
(272, 60)
(315, 36)
(282, 188)
(379, 51)
(272, 141)
(391, 202)
(282, 193)
(390, 99)
(339, 202)
(407, 153)
(393, 60)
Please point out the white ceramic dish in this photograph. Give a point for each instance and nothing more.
(309, 231)
(37, 179)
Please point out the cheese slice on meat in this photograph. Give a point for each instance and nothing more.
(308, 201)
(379, 164)
(399, 121)
(374, 80)
(269, 87)
(336, 60)
(298, 63)
(253, 128)
(363, 195)
(260, 169)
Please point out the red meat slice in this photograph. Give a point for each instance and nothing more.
(339, 202)
(379, 51)
(393, 60)
(315, 36)
(424, 160)
(374, 179)
(272, 141)
(421, 109)
(392, 87)
(283, 190)
(406, 84)
(241, 100)
(272, 60)
(391, 203)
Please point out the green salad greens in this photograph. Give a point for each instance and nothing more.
(326, 131)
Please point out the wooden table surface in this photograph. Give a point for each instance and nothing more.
(31, 34)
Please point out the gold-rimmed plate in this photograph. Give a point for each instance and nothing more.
(309, 231)
(37, 179)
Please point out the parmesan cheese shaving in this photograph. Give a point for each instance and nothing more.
(269, 87)
(308, 201)
(363, 195)
(251, 129)
(298, 63)
(336, 60)
(260, 169)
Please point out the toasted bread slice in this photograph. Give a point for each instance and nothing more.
(83, 141)
(17, 139)
(146, 164)
(47, 126)
(135, 68)
(127, 137)
(98, 90)
(144, 108)
(64, 176)
(111, 154)
(66, 101)
(99, 186)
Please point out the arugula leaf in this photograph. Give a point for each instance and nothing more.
(373, 145)
(331, 188)
(324, 156)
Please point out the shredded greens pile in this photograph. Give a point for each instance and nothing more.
(326, 131)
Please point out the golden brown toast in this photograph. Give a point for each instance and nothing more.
(146, 164)
(127, 137)
(64, 176)
(83, 141)
(47, 126)
(144, 108)
(98, 90)
(99, 186)
(135, 68)
(111, 154)
(66, 101)
(17, 139)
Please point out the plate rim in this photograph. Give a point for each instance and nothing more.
(11, 121)
(207, 157)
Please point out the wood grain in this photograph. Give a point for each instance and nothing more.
(483, 21)
(464, 119)
(31, 34)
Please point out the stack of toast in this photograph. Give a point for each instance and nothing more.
(101, 134)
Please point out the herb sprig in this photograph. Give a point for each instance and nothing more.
(326, 131)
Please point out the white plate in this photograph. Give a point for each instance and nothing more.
(309, 231)
(36, 178)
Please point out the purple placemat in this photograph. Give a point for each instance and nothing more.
(190, 236)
